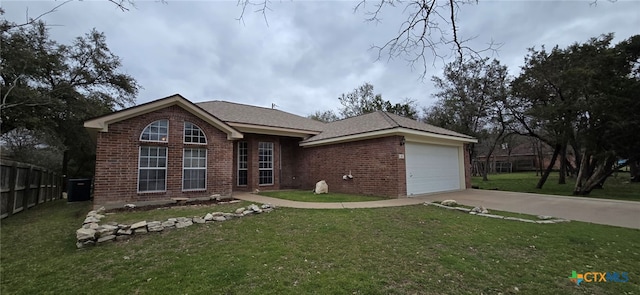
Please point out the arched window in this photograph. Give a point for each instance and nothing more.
(152, 160)
(157, 131)
(193, 134)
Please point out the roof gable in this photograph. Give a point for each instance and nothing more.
(379, 124)
(354, 125)
(254, 119)
(420, 126)
(101, 124)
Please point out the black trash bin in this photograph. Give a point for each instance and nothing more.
(79, 190)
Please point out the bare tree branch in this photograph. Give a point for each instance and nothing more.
(6, 95)
(430, 27)
(122, 4)
(454, 29)
(30, 21)
(262, 7)
(595, 2)
(4, 105)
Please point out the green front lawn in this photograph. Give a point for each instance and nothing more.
(401, 250)
(616, 187)
(309, 196)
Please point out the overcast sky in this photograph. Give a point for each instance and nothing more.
(310, 52)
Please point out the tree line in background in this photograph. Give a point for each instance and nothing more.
(582, 101)
(363, 100)
(49, 89)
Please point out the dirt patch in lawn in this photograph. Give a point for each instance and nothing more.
(190, 204)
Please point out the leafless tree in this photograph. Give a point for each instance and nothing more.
(32, 20)
(431, 26)
(123, 5)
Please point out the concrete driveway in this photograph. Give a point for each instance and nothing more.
(601, 211)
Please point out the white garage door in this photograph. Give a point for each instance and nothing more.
(431, 168)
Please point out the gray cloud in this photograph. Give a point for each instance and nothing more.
(311, 51)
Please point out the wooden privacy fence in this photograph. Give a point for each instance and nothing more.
(24, 186)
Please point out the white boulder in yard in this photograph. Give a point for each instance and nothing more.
(321, 187)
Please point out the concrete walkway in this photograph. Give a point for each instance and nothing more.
(347, 205)
(601, 211)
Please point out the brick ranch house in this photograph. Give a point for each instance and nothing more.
(173, 148)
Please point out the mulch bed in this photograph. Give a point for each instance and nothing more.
(196, 203)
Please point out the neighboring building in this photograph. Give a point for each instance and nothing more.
(172, 148)
(528, 156)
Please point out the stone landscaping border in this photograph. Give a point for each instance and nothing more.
(92, 233)
(481, 211)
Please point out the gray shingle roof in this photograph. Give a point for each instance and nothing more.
(230, 112)
(420, 126)
(240, 113)
(377, 121)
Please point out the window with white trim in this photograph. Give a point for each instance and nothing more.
(157, 131)
(194, 169)
(193, 134)
(265, 162)
(243, 163)
(152, 169)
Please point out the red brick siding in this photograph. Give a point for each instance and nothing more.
(467, 166)
(284, 149)
(374, 164)
(402, 168)
(117, 154)
(291, 153)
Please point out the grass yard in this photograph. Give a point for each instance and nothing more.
(614, 188)
(309, 196)
(401, 250)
